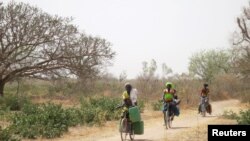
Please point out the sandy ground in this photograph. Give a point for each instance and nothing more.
(188, 126)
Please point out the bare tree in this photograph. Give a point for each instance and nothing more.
(166, 70)
(241, 44)
(123, 76)
(90, 55)
(36, 44)
(147, 80)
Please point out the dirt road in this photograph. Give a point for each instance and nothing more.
(154, 129)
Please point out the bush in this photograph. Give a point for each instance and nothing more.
(157, 106)
(47, 120)
(230, 115)
(12, 102)
(141, 105)
(99, 109)
(7, 135)
(51, 120)
(75, 116)
(244, 117)
(245, 96)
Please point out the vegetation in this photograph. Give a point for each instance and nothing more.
(157, 106)
(207, 64)
(230, 115)
(243, 118)
(51, 120)
(24, 58)
(241, 48)
(38, 45)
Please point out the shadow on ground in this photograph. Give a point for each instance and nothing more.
(209, 116)
(179, 127)
(142, 140)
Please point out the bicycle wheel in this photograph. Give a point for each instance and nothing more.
(166, 118)
(123, 129)
(203, 110)
(170, 116)
(131, 134)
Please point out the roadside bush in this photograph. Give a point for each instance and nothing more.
(52, 120)
(89, 114)
(100, 109)
(157, 106)
(244, 117)
(12, 102)
(47, 120)
(7, 135)
(75, 116)
(230, 115)
(245, 96)
(141, 105)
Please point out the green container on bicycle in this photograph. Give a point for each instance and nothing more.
(134, 114)
(138, 127)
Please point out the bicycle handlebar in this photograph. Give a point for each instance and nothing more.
(120, 106)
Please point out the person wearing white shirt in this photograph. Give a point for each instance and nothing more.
(130, 95)
(133, 96)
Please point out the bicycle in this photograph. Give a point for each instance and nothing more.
(125, 127)
(168, 115)
(204, 105)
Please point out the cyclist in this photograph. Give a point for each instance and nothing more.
(203, 94)
(170, 97)
(129, 97)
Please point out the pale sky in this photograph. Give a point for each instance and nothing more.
(168, 31)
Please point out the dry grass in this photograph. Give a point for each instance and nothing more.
(64, 101)
(85, 133)
(199, 133)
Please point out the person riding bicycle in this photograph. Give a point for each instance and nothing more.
(205, 94)
(170, 97)
(129, 97)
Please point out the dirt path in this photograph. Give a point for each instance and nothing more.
(154, 129)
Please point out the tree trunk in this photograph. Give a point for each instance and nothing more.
(1, 87)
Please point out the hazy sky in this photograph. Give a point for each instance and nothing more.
(168, 31)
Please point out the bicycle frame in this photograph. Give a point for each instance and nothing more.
(167, 116)
(126, 128)
(204, 104)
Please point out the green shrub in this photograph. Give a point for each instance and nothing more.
(100, 116)
(97, 106)
(157, 106)
(230, 115)
(51, 120)
(244, 117)
(75, 116)
(48, 120)
(7, 135)
(31, 109)
(13, 102)
(89, 114)
(141, 105)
